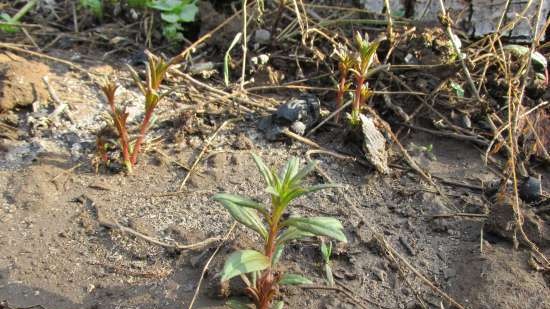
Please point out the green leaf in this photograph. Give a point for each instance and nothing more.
(235, 304)
(264, 170)
(188, 13)
(95, 6)
(459, 91)
(301, 174)
(294, 279)
(279, 305)
(289, 171)
(277, 254)
(292, 233)
(326, 251)
(243, 262)
(165, 5)
(241, 201)
(538, 60)
(172, 32)
(328, 274)
(7, 19)
(170, 17)
(139, 3)
(296, 193)
(246, 216)
(320, 226)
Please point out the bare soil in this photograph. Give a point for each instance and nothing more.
(56, 254)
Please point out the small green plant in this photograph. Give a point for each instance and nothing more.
(365, 56)
(257, 269)
(345, 62)
(173, 14)
(326, 253)
(11, 23)
(150, 88)
(94, 6)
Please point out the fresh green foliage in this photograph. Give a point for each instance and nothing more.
(258, 270)
(12, 22)
(95, 6)
(326, 252)
(150, 88)
(173, 14)
(363, 60)
(457, 88)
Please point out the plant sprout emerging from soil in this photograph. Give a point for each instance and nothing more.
(326, 252)
(366, 54)
(345, 62)
(155, 73)
(359, 64)
(259, 270)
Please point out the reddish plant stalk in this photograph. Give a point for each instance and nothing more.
(123, 134)
(142, 130)
(265, 287)
(357, 100)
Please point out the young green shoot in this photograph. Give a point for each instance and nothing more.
(259, 270)
(326, 252)
(150, 88)
(364, 59)
(345, 62)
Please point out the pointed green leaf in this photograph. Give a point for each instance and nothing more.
(241, 201)
(326, 251)
(304, 172)
(328, 274)
(296, 193)
(292, 233)
(246, 216)
(264, 170)
(277, 254)
(243, 262)
(290, 169)
(320, 226)
(294, 279)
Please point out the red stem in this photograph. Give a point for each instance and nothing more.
(141, 137)
(123, 134)
(265, 285)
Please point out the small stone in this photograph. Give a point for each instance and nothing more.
(262, 36)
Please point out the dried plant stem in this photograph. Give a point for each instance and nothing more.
(391, 35)
(244, 46)
(333, 114)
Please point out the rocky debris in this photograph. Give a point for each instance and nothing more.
(297, 114)
(530, 189)
(501, 221)
(21, 82)
(374, 145)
